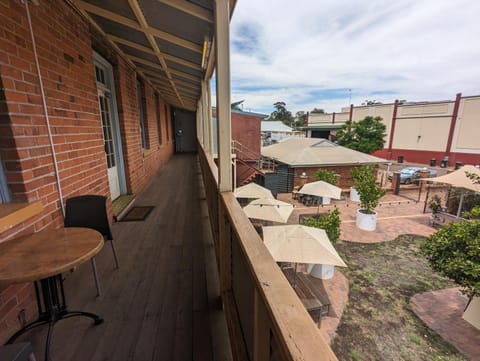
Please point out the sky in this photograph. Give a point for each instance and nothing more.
(330, 53)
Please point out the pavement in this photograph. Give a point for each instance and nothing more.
(397, 214)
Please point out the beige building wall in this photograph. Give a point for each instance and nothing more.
(466, 138)
(319, 118)
(341, 118)
(423, 126)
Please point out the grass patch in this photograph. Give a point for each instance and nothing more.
(378, 323)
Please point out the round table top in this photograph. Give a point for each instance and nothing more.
(46, 253)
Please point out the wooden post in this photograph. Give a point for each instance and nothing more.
(222, 53)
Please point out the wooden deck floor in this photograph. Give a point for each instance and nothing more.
(162, 304)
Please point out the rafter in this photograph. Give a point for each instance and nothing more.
(134, 25)
(191, 9)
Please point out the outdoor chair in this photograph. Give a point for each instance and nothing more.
(90, 211)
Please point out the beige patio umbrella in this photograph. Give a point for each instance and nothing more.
(459, 179)
(321, 189)
(300, 244)
(269, 209)
(252, 190)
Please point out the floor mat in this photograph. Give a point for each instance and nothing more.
(137, 214)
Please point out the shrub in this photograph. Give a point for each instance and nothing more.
(330, 223)
(326, 176)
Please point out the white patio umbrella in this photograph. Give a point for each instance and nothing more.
(269, 209)
(459, 179)
(300, 244)
(321, 189)
(252, 190)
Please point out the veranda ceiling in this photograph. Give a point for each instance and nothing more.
(166, 40)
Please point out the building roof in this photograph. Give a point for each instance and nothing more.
(298, 152)
(275, 126)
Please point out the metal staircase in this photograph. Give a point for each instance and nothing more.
(255, 162)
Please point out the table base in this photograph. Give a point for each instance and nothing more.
(52, 308)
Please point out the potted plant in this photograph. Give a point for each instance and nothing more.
(327, 176)
(370, 193)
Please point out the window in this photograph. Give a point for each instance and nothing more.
(167, 122)
(159, 118)
(4, 192)
(142, 114)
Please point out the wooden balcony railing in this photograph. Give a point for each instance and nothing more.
(266, 319)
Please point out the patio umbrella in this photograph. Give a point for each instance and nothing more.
(459, 179)
(252, 190)
(269, 209)
(300, 244)
(321, 189)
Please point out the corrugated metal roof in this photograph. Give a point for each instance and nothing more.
(275, 126)
(298, 152)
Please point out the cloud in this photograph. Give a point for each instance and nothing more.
(324, 53)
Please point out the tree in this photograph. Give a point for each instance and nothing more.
(318, 111)
(282, 114)
(454, 251)
(326, 176)
(300, 119)
(366, 135)
(368, 189)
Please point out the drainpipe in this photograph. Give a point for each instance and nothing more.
(44, 105)
(392, 130)
(453, 123)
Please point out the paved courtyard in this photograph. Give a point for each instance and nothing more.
(397, 214)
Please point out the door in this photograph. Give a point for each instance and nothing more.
(109, 144)
(110, 126)
(185, 131)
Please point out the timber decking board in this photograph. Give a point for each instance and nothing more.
(157, 306)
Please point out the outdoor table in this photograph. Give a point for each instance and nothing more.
(41, 258)
(304, 290)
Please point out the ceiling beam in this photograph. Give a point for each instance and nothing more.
(134, 25)
(191, 9)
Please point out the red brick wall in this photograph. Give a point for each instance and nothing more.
(246, 130)
(424, 157)
(344, 172)
(64, 45)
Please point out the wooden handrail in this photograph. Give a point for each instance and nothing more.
(263, 312)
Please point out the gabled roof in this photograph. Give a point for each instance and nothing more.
(275, 126)
(298, 152)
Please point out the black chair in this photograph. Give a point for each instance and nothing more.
(90, 211)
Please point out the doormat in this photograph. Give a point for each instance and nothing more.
(137, 214)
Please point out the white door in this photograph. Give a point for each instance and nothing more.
(109, 141)
(106, 103)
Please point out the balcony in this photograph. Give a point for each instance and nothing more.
(164, 302)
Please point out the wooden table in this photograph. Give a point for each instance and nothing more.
(41, 258)
(306, 292)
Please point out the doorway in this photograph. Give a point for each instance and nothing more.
(110, 126)
(185, 129)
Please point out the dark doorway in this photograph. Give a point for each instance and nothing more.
(320, 134)
(184, 123)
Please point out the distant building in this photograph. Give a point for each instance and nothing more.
(420, 132)
(300, 158)
(274, 131)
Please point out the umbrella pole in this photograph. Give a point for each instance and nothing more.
(460, 204)
(295, 275)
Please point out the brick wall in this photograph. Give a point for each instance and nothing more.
(246, 130)
(64, 44)
(344, 172)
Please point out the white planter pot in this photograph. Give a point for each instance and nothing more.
(365, 221)
(354, 196)
(472, 313)
(325, 200)
(321, 271)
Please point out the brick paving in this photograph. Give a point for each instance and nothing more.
(440, 310)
